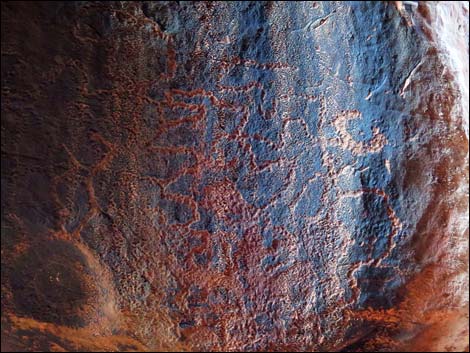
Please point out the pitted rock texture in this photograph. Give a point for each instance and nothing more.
(238, 176)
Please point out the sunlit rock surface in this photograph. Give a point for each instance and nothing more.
(234, 176)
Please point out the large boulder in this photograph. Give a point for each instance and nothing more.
(238, 176)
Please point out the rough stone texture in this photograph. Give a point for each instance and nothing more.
(231, 176)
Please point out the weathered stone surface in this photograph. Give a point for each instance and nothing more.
(233, 176)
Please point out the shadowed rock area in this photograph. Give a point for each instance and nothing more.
(234, 176)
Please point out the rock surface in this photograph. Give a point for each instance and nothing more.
(233, 176)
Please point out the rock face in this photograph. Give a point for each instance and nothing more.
(233, 176)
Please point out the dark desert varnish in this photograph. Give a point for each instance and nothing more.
(234, 176)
